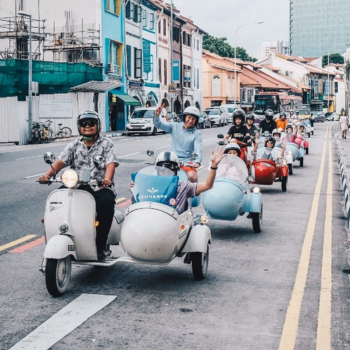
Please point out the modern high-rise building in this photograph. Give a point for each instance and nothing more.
(276, 47)
(318, 27)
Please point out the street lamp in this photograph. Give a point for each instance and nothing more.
(30, 69)
(244, 24)
(328, 82)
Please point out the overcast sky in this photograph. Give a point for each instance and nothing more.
(221, 18)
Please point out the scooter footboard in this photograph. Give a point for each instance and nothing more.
(59, 247)
(198, 240)
(253, 204)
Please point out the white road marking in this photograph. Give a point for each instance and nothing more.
(162, 147)
(128, 155)
(28, 177)
(29, 157)
(64, 322)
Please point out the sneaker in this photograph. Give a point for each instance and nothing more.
(107, 253)
(101, 256)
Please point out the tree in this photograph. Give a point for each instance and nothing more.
(221, 47)
(333, 58)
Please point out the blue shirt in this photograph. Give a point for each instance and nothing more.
(184, 142)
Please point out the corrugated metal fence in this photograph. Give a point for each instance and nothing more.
(14, 114)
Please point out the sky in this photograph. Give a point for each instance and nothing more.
(223, 19)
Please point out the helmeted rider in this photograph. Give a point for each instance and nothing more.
(251, 128)
(276, 134)
(79, 155)
(282, 121)
(238, 130)
(268, 124)
(233, 149)
(185, 138)
(291, 132)
(186, 189)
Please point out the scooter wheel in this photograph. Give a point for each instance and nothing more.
(257, 221)
(290, 167)
(301, 160)
(284, 183)
(312, 132)
(57, 275)
(307, 150)
(200, 263)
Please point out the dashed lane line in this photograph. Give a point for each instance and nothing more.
(16, 242)
(162, 147)
(291, 324)
(64, 322)
(29, 177)
(128, 155)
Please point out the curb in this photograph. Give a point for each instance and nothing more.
(344, 182)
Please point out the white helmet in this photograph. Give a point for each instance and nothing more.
(193, 111)
(276, 131)
(168, 160)
(233, 146)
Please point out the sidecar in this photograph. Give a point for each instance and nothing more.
(231, 194)
(153, 232)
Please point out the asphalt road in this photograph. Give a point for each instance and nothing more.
(263, 291)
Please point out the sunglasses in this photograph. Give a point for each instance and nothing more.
(90, 123)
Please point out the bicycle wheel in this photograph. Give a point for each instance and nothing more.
(66, 132)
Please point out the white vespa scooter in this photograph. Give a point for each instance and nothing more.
(70, 228)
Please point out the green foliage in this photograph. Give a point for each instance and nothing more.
(333, 58)
(221, 47)
(347, 70)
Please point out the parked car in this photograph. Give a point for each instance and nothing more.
(141, 121)
(230, 109)
(336, 117)
(203, 122)
(217, 115)
(320, 118)
(329, 116)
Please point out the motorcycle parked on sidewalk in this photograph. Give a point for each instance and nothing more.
(36, 133)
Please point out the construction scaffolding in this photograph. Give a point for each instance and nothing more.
(16, 30)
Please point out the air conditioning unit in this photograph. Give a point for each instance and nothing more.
(110, 68)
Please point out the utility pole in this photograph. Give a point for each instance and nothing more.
(171, 55)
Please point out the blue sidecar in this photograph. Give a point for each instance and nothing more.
(231, 194)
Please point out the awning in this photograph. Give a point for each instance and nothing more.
(96, 86)
(128, 100)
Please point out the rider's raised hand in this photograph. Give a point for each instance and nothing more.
(217, 156)
(159, 109)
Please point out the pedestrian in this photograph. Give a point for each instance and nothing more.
(344, 124)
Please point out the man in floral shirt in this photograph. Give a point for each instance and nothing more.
(79, 155)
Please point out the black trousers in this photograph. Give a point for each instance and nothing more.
(105, 201)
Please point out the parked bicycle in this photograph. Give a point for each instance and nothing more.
(62, 132)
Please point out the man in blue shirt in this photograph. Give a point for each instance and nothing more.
(185, 140)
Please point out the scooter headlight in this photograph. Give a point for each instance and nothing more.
(204, 219)
(290, 152)
(284, 162)
(70, 178)
(256, 190)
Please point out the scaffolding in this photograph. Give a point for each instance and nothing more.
(74, 42)
(16, 30)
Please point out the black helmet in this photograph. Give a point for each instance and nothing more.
(269, 114)
(239, 113)
(89, 115)
(289, 126)
(250, 116)
(270, 139)
(283, 114)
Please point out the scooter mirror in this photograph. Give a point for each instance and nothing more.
(99, 162)
(150, 153)
(194, 156)
(49, 158)
(221, 143)
(220, 136)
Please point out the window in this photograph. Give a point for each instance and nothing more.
(327, 90)
(160, 27)
(249, 96)
(151, 21)
(189, 40)
(228, 85)
(176, 34)
(129, 10)
(138, 63)
(137, 13)
(160, 69)
(194, 78)
(184, 38)
(128, 60)
(152, 78)
(216, 86)
(165, 72)
(144, 18)
(114, 6)
(197, 45)
(336, 88)
(164, 26)
(198, 78)
(113, 58)
(316, 87)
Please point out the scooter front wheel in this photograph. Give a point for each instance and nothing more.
(200, 263)
(57, 275)
(290, 168)
(257, 220)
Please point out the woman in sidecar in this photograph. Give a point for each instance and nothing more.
(293, 149)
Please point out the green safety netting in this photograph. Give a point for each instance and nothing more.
(52, 77)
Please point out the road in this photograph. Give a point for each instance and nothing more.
(281, 289)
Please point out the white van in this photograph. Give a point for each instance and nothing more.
(141, 121)
(230, 108)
